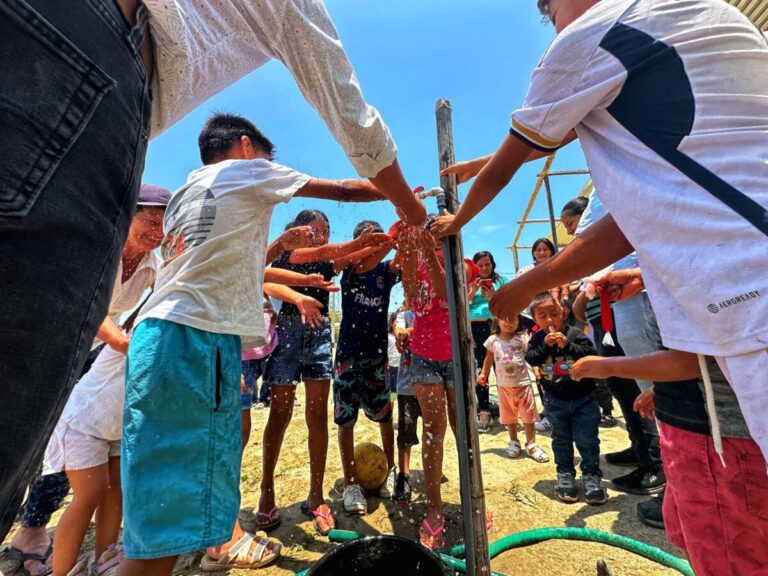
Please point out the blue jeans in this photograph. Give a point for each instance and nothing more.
(575, 421)
(637, 329)
(74, 116)
(252, 371)
(302, 353)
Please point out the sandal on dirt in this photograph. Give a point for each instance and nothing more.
(84, 567)
(35, 564)
(268, 520)
(432, 538)
(242, 556)
(536, 453)
(109, 561)
(322, 518)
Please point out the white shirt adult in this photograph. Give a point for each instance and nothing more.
(667, 144)
(201, 47)
(669, 99)
(219, 221)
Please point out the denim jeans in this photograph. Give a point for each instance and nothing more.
(575, 422)
(480, 333)
(74, 115)
(637, 329)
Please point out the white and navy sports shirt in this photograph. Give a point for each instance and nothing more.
(669, 99)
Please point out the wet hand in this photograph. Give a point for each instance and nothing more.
(309, 308)
(296, 237)
(444, 225)
(509, 300)
(319, 281)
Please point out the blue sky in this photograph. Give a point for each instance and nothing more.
(479, 55)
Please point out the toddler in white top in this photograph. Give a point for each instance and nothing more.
(506, 349)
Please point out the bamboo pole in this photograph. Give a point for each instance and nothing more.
(552, 221)
(470, 472)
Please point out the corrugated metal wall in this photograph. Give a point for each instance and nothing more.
(756, 10)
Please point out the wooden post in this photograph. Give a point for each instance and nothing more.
(470, 472)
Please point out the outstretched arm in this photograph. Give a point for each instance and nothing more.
(291, 278)
(469, 168)
(309, 308)
(598, 247)
(661, 366)
(340, 190)
(338, 250)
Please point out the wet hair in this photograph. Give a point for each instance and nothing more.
(221, 131)
(575, 207)
(365, 224)
(485, 254)
(543, 6)
(539, 300)
(306, 216)
(546, 241)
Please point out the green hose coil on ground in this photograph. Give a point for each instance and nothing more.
(452, 556)
(529, 537)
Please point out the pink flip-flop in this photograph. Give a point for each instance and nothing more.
(268, 520)
(432, 538)
(322, 518)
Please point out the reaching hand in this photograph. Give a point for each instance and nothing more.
(370, 238)
(645, 404)
(466, 170)
(444, 225)
(621, 284)
(319, 281)
(510, 300)
(590, 367)
(296, 237)
(309, 308)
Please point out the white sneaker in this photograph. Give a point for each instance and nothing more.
(388, 488)
(354, 500)
(544, 425)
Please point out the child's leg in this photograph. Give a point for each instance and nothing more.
(404, 459)
(316, 414)
(245, 427)
(450, 395)
(432, 401)
(558, 413)
(347, 453)
(586, 418)
(280, 412)
(387, 431)
(512, 429)
(109, 514)
(153, 567)
(530, 433)
(88, 486)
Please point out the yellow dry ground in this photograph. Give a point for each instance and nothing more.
(520, 493)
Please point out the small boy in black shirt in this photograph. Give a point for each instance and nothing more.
(571, 405)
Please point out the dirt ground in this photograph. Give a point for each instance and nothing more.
(520, 494)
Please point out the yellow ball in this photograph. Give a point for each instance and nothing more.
(370, 466)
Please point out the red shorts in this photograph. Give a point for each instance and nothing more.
(719, 516)
(517, 402)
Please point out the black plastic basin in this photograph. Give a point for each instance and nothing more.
(380, 556)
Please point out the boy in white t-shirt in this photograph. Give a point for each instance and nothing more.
(181, 440)
(669, 100)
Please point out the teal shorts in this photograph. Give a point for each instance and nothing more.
(181, 456)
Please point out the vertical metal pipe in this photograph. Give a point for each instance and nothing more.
(470, 471)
